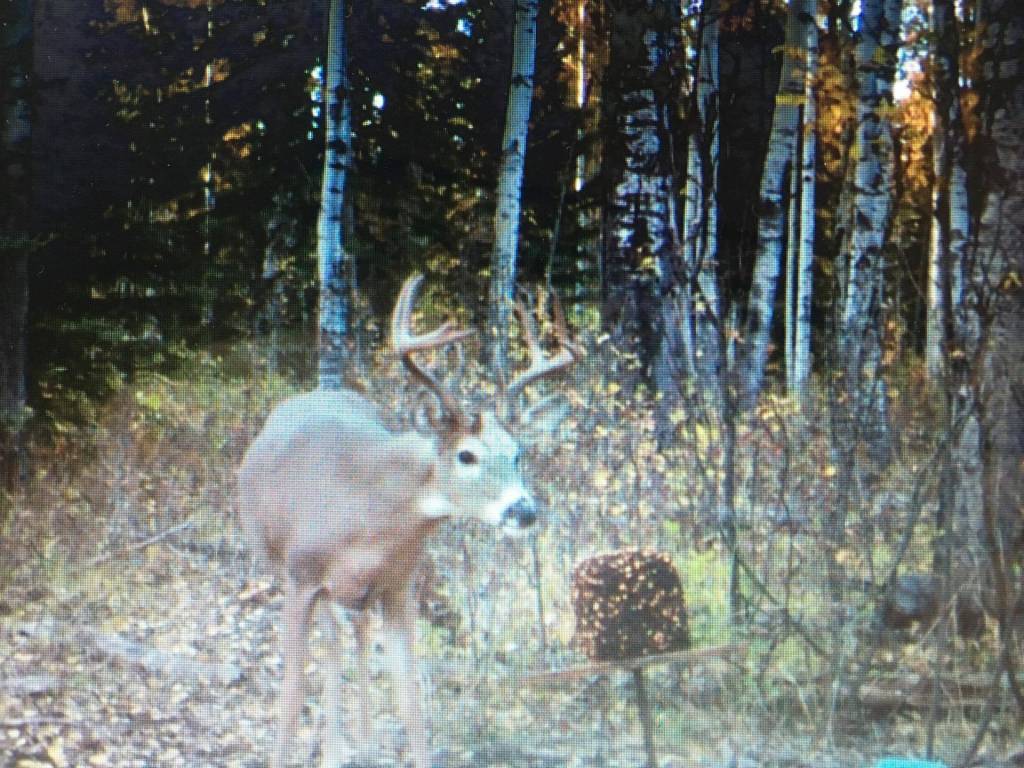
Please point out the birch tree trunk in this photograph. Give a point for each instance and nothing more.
(860, 342)
(950, 228)
(858, 419)
(873, 180)
(15, 210)
(334, 264)
(799, 362)
(952, 325)
(589, 57)
(510, 183)
(704, 338)
(780, 162)
(707, 333)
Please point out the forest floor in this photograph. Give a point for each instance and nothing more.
(134, 630)
(162, 653)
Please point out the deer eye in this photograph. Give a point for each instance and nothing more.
(466, 457)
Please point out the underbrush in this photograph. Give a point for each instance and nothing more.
(154, 467)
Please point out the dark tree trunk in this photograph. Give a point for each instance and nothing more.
(15, 209)
(997, 298)
(13, 314)
(640, 89)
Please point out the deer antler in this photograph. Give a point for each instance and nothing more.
(540, 365)
(405, 342)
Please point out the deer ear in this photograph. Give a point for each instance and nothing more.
(546, 415)
(426, 417)
(478, 424)
(449, 428)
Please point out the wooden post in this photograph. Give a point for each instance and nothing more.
(646, 725)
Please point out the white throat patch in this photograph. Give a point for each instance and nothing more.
(434, 506)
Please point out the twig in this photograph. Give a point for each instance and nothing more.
(791, 622)
(859, 677)
(986, 718)
(729, 651)
(21, 722)
(538, 586)
(139, 544)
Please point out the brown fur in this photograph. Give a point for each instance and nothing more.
(341, 508)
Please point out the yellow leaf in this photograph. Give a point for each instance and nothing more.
(886, 111)
(829, 470)
(789, 99)
(55, 751)
(702, 434)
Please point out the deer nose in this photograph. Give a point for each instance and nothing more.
(522, 514)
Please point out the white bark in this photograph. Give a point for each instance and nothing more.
(580, 86)
(510, 182)
(953, 326)
(333, 266)
(868, 223)
(774, 205)
(800, 367)
(700, 213)
(641, 194)
(950, 227)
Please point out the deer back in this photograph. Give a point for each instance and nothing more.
(324, 479)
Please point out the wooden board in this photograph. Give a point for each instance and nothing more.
(729, 651)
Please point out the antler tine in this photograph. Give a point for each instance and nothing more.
(562, 329)
(566, 354)
(405, 342)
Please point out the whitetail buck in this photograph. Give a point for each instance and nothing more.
(342, 507)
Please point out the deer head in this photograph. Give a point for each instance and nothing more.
(478, 452)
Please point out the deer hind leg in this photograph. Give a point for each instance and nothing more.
(298, 611)
(399, 633)
(336, 752)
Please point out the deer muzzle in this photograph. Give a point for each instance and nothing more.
(522, 514)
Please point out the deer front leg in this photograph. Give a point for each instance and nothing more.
(399, 632)
(361, 623)
(335, 751)
(298, 611)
